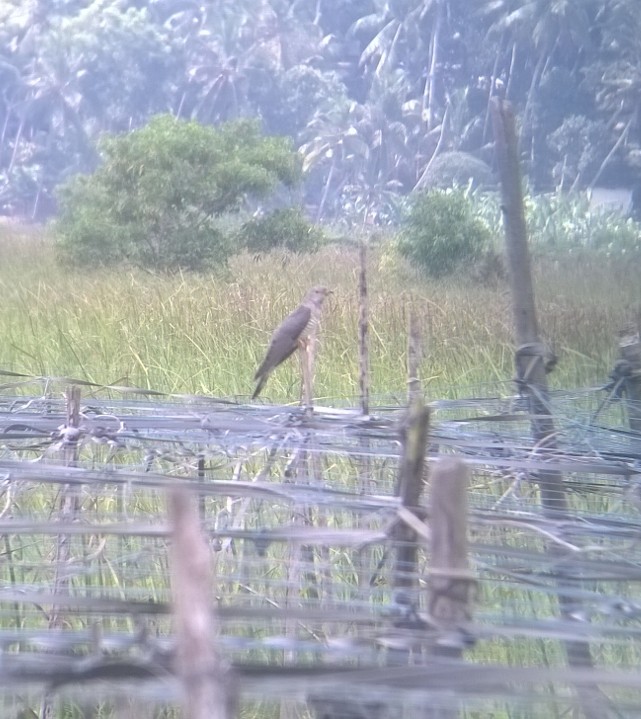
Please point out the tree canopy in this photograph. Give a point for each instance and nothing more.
(371, 92)
(156, 198)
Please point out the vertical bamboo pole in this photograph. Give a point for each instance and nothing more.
(69, 498)
(363, 320)
(69, 504)
(362, 557)
(306, 355)
(531, 370)
(451, 584)
(414, 354)
(410, 486)
(202, 497)
(530, 354)
(204, 676)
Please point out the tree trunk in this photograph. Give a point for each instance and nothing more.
(430, 86)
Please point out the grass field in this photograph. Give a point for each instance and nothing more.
(206, 333)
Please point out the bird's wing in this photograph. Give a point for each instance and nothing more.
(285, 339)
(295, 323)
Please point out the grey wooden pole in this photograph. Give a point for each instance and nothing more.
(531, 371)
(363, 326)
(409, 488)
(451, 583)
(205, 677)
(414, 354)
(530, 353)
(69, 506)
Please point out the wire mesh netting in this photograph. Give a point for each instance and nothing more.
(298, 510)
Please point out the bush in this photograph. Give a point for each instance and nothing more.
(441, 233)
(287, 229)
(450, 169)
(565, 222)
(576, 144)
(156, 200)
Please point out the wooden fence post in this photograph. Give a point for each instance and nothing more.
(451, 583)
(205, 677)
(363, 326)
(69, 502)
(531, 371)
(530, 354)
(414, 355)
(68, 507)
(409, 489)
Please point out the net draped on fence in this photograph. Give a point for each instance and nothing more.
(298, 511)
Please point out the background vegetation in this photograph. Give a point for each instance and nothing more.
(158, 197)
(383, 101)
(379, 97)
(441, 233)
(206, 333)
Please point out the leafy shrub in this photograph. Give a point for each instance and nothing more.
(441, 233)
(288, 100)
(576, 145)
(287, 229)
(561, 222)
(449, 169)
(568, 223)
(157, 198)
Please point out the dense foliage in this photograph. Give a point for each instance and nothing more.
(559, 224)
(156, 199)
(287, 229)
(442, 234)
(372, 92)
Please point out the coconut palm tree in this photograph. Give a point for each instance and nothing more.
(539, 34)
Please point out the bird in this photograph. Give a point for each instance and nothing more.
(292, 333)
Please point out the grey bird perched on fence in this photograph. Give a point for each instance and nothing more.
(292, 333)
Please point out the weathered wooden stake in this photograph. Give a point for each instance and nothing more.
(530, 354)
(409, 488)
(205, 677)
(414, 355)
(69, 505)
(363, 320)
(451, 583)
(202, 498)
(531, 367)
(69, 496)
(362, 556)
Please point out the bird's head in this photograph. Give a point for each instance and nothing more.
(317, 295)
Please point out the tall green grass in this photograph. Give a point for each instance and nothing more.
(207, 333)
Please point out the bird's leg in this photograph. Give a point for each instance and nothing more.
(306, 360)
(303, 371)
